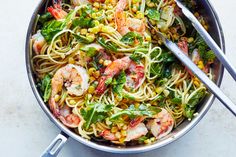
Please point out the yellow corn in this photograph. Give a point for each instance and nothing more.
(72, 102)
(91, 71)
(190, 40)
(159, 90)
(125, 127)
(96, 22)
(71, 60)
(150, 4)
(147, 141)
(109, 7)
(96, 74)
(136, 105)
(57, 98)
(100, 61)
(134, 9)
(83, 31)
(90, 37)
(140, 15)
(200, 65)
(91, 79)
(118, 135)
(106, 62)
(196, 83)
(123, 133)
(96, 4)
(166, 92)
(91, 89)
(122, 140)
(94, 15)
(114, 129)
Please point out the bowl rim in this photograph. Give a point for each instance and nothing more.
(94, 145)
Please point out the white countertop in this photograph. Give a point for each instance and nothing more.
(25, 131)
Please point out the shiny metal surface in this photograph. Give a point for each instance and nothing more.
(212, 87)
(216, 33)
(210, 42)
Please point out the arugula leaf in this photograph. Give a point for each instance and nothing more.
(110, 46)
(95, 112)
(90, 51)
(83, 22)
(45, 17)
(153, 14)
(192, 103)
(51, 28)
(132, 112)
(131, 37)
(209, 56)
(82, 39)
(45, 87)
(119, 83)
(176, 100)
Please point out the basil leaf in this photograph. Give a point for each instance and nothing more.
(131, 37)
(153, 14)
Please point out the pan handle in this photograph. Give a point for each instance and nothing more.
(56, 145)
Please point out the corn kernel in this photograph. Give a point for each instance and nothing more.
(96, 22)
(152, 139)
(71, 60)
(136, 105)
(110, 18)
(91, 79)
(91, 71)
(190, 40)
(57, 98)
(109, 7)
(90, 37)
(122, 140)
(96, 74)
(125, 127)
(148, 38)
(89, 96)
(150, 4)
(106, 62)
(100, 61)
(159, 90)
(94, 15)
(196, 83)
(200, 65)
(83, 31)
(166, 92)
(123, 133)
(108, 122)
(91, 89)
(135, 1)
(96, 4)
(118, 135)
(140, 15)
(114, 129)
(72, 102)
(147, 141)
(134, 9)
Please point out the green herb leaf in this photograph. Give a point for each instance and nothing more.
(90, 51)
(95, 112)
(82, 39)
(45, 87)
(153, 14)
(142, 110)
(83, 22)
(45, 17)
(131, 37)
(110, 46)
(119, 83)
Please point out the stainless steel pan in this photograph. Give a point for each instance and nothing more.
(215, 31)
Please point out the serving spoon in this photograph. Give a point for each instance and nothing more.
(213, 88)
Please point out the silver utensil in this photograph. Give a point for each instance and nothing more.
(208, 39)
(201, 75)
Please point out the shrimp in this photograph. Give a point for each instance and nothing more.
(136, 132)
(79, 2)
(111, 70)
(67, 118)
(124, 24)
(75, 79)
(56, 10)
(38, 42)
(106, 134)
(135, 76)
(161, 125)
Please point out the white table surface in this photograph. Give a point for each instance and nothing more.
(25, 131)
